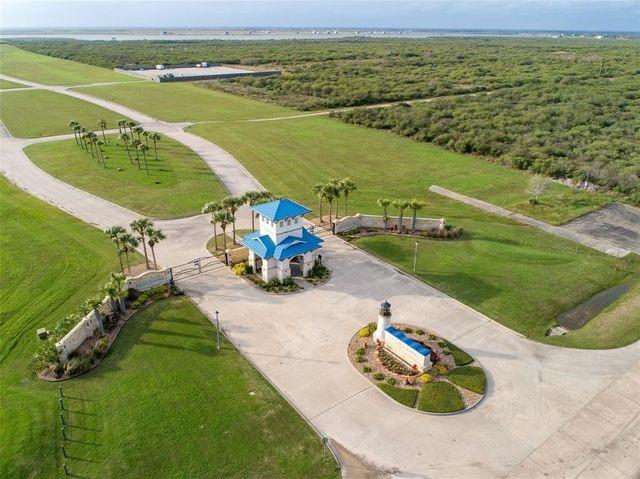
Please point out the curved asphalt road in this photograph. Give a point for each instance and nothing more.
(549, 412)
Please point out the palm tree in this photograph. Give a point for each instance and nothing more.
(155, 236)
(131, 124)
(155, 137)
(89, 141)
(224, 218)
(140, 226)
(318, 190)
(144, 148)
(384, 203)
(329, 192)
(137, 130)
(135, 144)
(146, 137)
(114, 235)
(337, 191)
(347, 186)
(114, 289)
(100, 143)
(128, 243)
(122, 123)
(83, 137)
(73, 125)
(232, 203)
(76, 133)
(415, 205)
(212, 208)
(252, 198)
(401, 206)
(125, 139)
(103, 124)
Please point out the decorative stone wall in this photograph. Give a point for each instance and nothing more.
(148, 280)
(349, 223)
(92, 321)
(81, 331)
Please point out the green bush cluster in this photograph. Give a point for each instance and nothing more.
(378, 376)
(152, 294)
(242, 269)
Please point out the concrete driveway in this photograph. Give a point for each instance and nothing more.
(299, 342)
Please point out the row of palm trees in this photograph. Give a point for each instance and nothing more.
(401, 205)
(143, 231)
(333, 191)
(137, 140)
(89, 140)
(223, 213)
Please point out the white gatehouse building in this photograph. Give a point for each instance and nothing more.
(282, 247)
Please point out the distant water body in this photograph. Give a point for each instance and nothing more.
(265, 35)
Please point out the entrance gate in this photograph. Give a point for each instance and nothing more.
(196, 266)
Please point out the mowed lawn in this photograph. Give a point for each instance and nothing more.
(52, 71)
(37, 113)
(524, 286)
(290, 156)
(522, 279)
(185, 182)
(9, 85)
(164, 403)
(178, 102)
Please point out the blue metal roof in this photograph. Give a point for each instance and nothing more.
(289, 247)
(408, 341)
(280, 209)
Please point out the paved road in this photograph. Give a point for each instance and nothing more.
(602, 243)
(555, 411)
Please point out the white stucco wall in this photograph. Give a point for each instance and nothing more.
(349, 223)
(407, 353)
(279, 230)
(148, 280)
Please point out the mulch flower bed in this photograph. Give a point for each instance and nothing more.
(371, 361)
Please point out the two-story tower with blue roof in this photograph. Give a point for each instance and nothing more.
(282, 247)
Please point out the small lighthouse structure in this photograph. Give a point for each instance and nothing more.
(411, 352)
(384, 321)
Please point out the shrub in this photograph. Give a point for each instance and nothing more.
(408, 330)
(360, 351)
(366, 369)
(403, 396)
(378, 376)
(360, 359)
(100, 347)
(469, 377)
(77, 365)
(420, 331)
(391, 381)
(533, 201)
(364, 332)
(152, 294)
(241, 269)
(441, 368)
(46, 354)
(372, 327)
(439, 397)
(425, 378)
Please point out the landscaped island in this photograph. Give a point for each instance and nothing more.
(416, 367)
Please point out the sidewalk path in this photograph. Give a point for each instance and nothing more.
(599, 244)
(548, 410)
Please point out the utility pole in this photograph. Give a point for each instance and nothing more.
(217, 330)
(415, 255)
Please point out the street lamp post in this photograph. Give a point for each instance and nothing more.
(415, 255)
(217, 330)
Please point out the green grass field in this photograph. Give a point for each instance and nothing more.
(37, 113)
(163, 403)
(8, 85)
(177, 102)
(524, 286)
(186, 182)
(52, 71)
(289, 156)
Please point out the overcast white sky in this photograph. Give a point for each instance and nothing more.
(598, 15)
